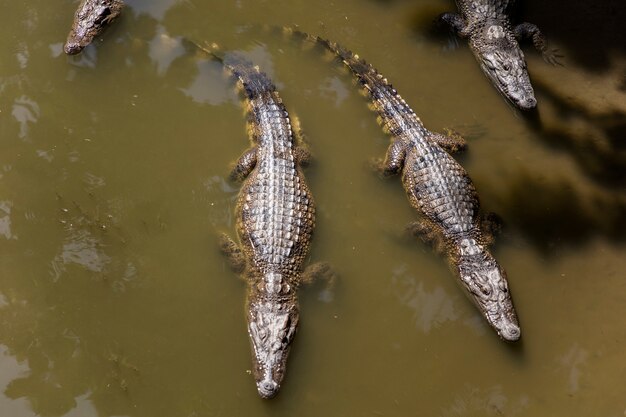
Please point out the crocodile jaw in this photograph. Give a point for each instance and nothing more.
(272, 324)
(487, 286)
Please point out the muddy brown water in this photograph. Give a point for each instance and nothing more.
(115, 302)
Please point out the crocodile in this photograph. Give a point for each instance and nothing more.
(494, 42)
(91, 18)
(275, 218)
(439, 188)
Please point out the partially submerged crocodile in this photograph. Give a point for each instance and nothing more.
(440, 189)
(494, 42)
(91, 18)
(275, 217)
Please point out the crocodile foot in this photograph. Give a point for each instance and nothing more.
(451, 141)
(318, 271)
(232, 252)
(491, 226)
(428, 233)
(552, 57)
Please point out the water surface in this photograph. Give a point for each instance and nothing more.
(114, 300)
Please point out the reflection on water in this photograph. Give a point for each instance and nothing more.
(114, 300)
(156, 8)
(572, 362)
(334, 89)
(489, 402)
(12, 369)
(164, 49)
(5, 220)
(25, 111)
(82, 249)
(208, 86)
(431, 308)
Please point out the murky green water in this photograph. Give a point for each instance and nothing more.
(115, 302)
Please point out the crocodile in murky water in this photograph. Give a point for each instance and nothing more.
(494, 42)
(440, 189)
(275, 217)
(91, 18)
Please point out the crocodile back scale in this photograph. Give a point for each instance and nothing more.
(440, 189)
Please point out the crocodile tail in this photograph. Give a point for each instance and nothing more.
(254, 81)
(486, 284)
(367, 75)
(213, 49)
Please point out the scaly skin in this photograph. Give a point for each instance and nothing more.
(440, 189)
(91, 18)
(494, 43)
(275, 218)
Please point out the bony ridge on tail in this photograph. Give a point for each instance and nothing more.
(440, 189)
(275, 218)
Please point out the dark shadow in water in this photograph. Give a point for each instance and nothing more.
(588, 31)
(597, 144)
(425, 22)
(554, 213)
(551, 214)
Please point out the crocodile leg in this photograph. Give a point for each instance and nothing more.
(296, 128)
(529, 30)
(317, 271)
(303, 156)
(110, 17)
(428, 233)
(451, 141)
(233, 253)
(491, 224)
(302, 153)
(456, 22)
(394, 159)
(244, 165)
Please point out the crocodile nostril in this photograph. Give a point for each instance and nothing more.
(267, 388)
(511, 333)
(530, 102)
(72, 48)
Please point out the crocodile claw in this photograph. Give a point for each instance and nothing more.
(552, 57)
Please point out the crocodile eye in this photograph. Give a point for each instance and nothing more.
(506, 67)
(485, 289)
(105, 14)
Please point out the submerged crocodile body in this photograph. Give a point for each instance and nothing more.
(440, 189)
(91, 18)
(275, 217)
(494, 42)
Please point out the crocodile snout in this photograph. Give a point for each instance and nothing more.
(72, 48)
(527, 103)
(510, 332)
(267, 388)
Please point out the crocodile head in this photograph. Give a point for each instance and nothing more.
(272, 325)
(91, 18)
(502, 60)
(487, 285)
